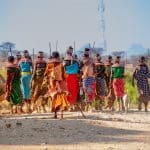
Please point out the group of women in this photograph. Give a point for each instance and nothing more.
(69, 80)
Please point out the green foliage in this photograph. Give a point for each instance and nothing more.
(130, 89)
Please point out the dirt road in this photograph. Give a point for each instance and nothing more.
(108, 131)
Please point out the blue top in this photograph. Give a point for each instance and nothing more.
(72, 68)
(25, 65)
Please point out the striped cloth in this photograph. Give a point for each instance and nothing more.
(89, 87)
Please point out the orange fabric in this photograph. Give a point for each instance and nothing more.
(59, 102)
(58, 89)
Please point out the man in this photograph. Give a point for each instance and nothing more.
(88, 78)
(25, 65)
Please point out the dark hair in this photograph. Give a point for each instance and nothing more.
(97, 55)
(118, 57)
(86, 55)
(41, 52)
(70, 47)
(142, 58)
(25, 51)
(109, 57)
(11, 59)
(87, 50)
(76, 56)
(55, 54)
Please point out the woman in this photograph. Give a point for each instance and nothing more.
(25, 66)
(18, 58)
(13, 90)
(71, 69)
(108, 66)
(38, 75)
(88, 77)
(141, 74)
(101, 87)
(118, 81)
(54, 74)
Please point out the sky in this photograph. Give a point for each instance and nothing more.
(34, 23)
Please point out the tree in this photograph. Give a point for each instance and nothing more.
(8, 46)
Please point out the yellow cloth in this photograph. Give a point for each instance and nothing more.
(25, 73)
(60, 102)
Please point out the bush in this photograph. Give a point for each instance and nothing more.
(130, 89)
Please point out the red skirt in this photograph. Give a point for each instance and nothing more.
(118, 85)
(73, 88)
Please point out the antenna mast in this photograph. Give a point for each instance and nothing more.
(101, 11)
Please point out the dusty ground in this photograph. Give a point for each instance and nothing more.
(105, 130)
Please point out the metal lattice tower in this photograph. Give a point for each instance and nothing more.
(101, 11)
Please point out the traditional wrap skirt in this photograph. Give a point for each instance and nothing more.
(89, 87)
(25, 85)
(118, 85)
(59, 102)
(143, 88)
(73, 88)
(36, 88)
(101, 87)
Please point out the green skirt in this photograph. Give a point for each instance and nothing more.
(16, 96)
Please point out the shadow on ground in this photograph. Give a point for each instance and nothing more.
(35, 131)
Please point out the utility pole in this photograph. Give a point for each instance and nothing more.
(101, 11)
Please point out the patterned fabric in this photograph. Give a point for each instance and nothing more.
(89, 87)
(55, 70)
(118, 85)
(57, 86)
(37, 81)
(25, 65)
(72, 68)
(101, 87)
(40, 67)
(141, 75)
(108, 77)
(100, 70)
(36, 88)
(2, 85)
(13, 90)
